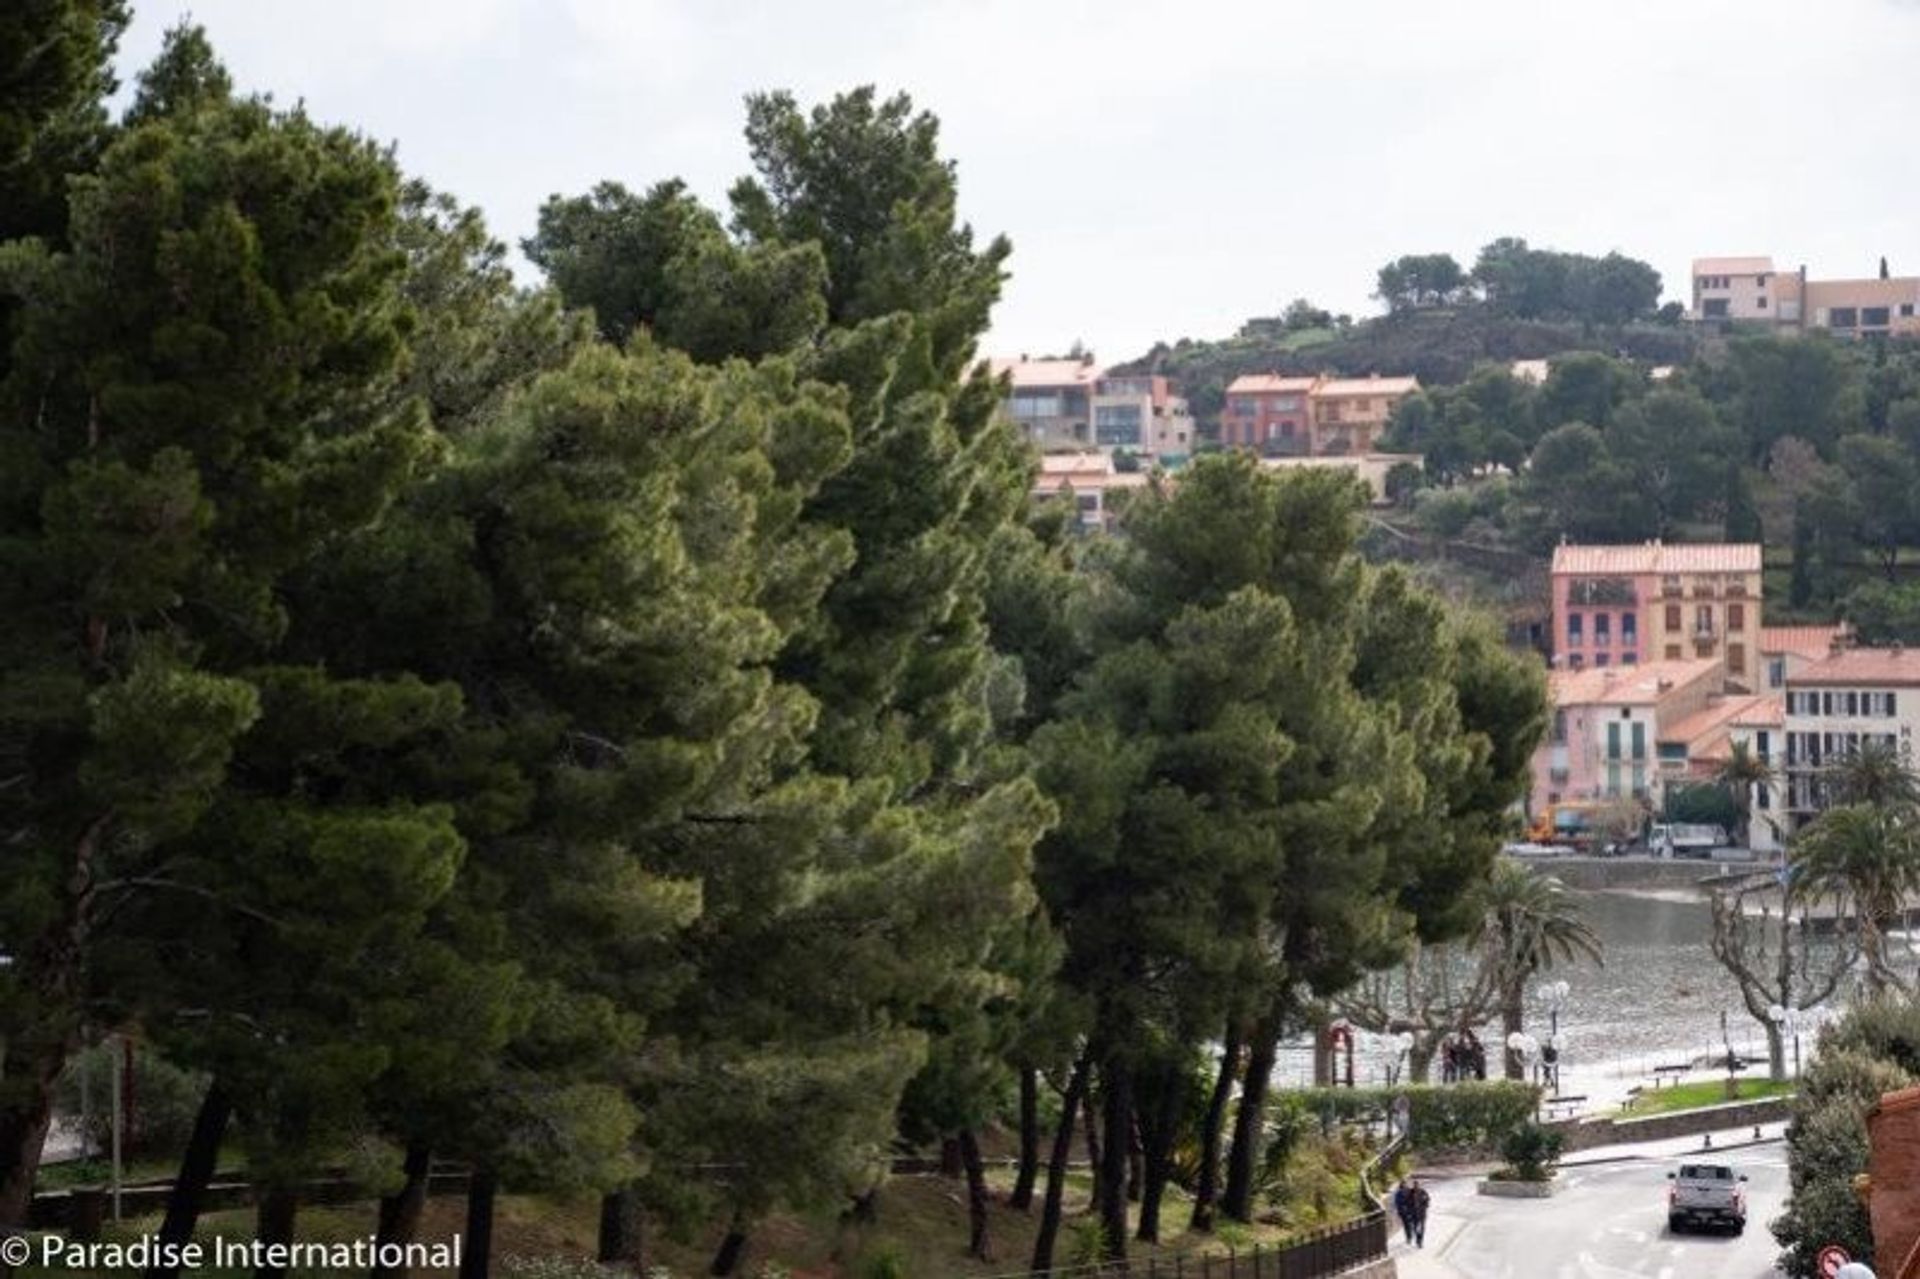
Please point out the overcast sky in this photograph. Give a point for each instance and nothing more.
(1168, 169)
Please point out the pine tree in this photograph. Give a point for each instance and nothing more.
(56, 73)
(177, 439)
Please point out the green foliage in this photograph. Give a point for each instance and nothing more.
(1543, 284)
(1530, 1150)
(1479, 1115)
(166, 1100)
(56, 66)
(884, 1261)
(1422, 279)
(1827, 1149)
(1704, 803)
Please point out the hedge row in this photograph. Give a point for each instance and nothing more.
(1469, 1114)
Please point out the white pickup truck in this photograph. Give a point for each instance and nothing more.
(1706, 1195)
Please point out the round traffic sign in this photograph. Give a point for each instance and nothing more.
(1831, 1258)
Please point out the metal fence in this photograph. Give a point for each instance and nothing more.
(1329, 1251)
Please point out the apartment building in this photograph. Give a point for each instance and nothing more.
(1607, 724)
(1310, 416)
(1835, 704)
(1749, 290)
(1269, 413)
(1072, 405)
(1655, 601)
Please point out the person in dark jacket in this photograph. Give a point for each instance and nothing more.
(1416, 1199)
(1403, 1206)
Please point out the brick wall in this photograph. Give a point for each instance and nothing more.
(1894, 1169)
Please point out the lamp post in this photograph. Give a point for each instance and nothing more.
(1788, 1020)
(1554, 995)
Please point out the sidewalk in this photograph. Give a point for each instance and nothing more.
(1426, 1263)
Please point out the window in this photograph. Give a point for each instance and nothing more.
(1673, 753)
(1736, 617)
(1613, 741)
(1714, 308)
(1673, 617)
(1575, 624)
(1853, 703)
(1889, 704)
(1906, 310)
(1776, 672)
(1703, 622)
(1284, 404)
(1843, 317)
(1629, 631)
(1560, 727)
(1029, 407)
(1639, 740)
(1874, 317)
(1737, 659)
(1760, 303)
(1762, 746)
(1576, 661)
(1600, 659)
(1603, 630)
(1116, 424)
(1629, 658)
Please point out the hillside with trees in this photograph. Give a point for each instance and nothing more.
(1442, 319)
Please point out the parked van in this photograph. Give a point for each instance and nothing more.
(1686, 839)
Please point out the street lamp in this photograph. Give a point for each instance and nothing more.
(1788, 1020)
(1554, 995)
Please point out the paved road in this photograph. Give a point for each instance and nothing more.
(1609, 1223)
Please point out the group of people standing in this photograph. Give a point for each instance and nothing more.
(1462, 1058)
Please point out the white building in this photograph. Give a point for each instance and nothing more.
(1837, 703)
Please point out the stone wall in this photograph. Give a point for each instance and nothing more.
(1595, 873)
(1585, 1134)
(1894, 1171)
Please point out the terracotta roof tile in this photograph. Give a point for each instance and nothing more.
(1367, 386)
(1733, 266)
(1859, 667)
(1658, 557)
(1270, 384)
(1628, 685)
(1047, 372)
(1811, 642)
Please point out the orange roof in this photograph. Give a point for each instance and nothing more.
(1270, 384)
(1810, 642)
(1658, 557)
(1858, 667)
(1707, 727)
(1367, 386)
(1047, 372)
(1733, 266)
(1642, 685)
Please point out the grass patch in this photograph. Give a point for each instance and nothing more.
(1708, 1092)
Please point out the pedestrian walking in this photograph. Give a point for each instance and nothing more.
(1403, 1207)
(1417, 1200)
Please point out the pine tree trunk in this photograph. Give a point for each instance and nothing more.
(1136, 1160)
(49, 974)
(1208, 1185)
(732, 1248)
(977, 1246)
(1022, 1196)
(1094, 1163)
(620, 1231)
(476, 1254)
(1242, 1159)
(1049, 1230)
(273, 1224)
(400, 1212)
(1116, 1097)
(196, 1172)
(950, 1164)
(1159, 1126)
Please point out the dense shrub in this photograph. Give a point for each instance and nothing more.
(1827, 1148)
(1530, 1151)
(1471, 1114)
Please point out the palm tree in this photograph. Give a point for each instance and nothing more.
(1740, 774)
(1529, 923)
(1868, 854)
(1874, 773)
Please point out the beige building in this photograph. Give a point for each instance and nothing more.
(1350, 414)
(1749, 290)
(1090, 482)
(1658, 602)
(1836, 704)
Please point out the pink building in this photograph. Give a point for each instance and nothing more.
(1652, 601)
(1607, 727)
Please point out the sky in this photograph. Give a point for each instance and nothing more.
(1167, 170)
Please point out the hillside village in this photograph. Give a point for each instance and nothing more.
(1667, 660)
